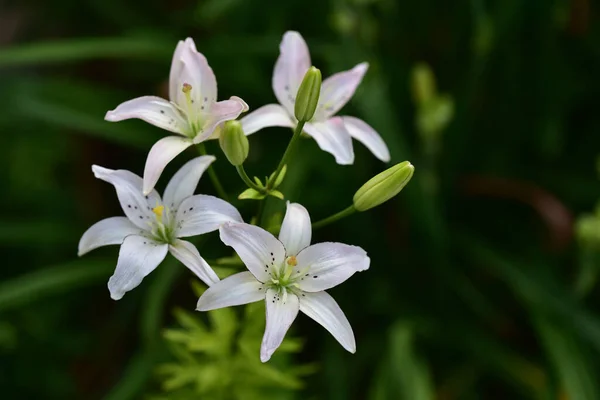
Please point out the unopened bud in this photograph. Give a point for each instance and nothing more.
(234, 143)
(307, 98)
(383, 186)
(423, 83)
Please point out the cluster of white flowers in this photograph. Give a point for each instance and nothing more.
(287, 272)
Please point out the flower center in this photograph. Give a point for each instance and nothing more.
(160, 227)
(194, 113)
(284, 278)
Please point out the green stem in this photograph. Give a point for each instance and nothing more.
(344, 213)
(242, 173)
(259, 213)
(287, 154)
(213, 175)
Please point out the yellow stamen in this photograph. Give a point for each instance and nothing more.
(291, 260)
(158, 210)
(187, 90)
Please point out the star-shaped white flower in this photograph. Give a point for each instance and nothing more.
(192, 112)
(153, 225)
(333, 134)
(290, 275)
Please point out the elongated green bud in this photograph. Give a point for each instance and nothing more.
(234, 143)
(307, 98)
(423, 83)
(383, 186)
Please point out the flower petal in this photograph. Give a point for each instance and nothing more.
(330, 264)
(362, 132)
(290, 67)
(338, 89)
(152, 109)
(108, 231)
(220, 112)
(281, 312)
(137, 258)
(295, 230)
(321, 307)
(201, 214)
(183, 184)
(269, 115)
(160, 155)
(174, 76)
(332, 137)
(235, 290)
(258, 249)
(128, 185)
(190, 257)
(196, 72)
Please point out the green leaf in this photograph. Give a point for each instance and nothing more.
(407, 375)
(276, 193)
(258, 182)
(54, 280)
(570, 361)
(62, 51)
(251, 194)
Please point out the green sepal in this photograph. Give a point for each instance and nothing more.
(251, 194)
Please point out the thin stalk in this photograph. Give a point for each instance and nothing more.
(287, 154)
(242, 173)
(344, 213)
(213, 175)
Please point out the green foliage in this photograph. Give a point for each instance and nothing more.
(220, 360)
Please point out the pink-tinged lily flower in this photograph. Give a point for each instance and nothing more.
(154, 226)
(333, 134)
(290, 275)
(193, 111)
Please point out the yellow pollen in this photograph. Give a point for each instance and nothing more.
(158, 210)
(291, 260)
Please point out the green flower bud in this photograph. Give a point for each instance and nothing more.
(234, 143)
(383, 186)
(307, 98)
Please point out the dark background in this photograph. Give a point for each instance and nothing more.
(482, 280)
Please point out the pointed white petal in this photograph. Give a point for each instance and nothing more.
(290, 67)
(269, 115)
(362, 132)
(108, 231)
(295, 230)
(201, 214)
(128, 185)
(220, 112)
(137, 258)
(188, 255)
(321, 307)
(281, 312)
(183, 184)
(338, 89)
(258, 249)
(235, 290)
(174, 76)
(196, 72)
(330, 264)
(332, 137)
(152, 109)
(160, 155)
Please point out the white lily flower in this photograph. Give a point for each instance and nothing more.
(154, 226)
(192, 112)
(333, 134)
(290, 275)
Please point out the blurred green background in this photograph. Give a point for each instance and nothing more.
(483, 276)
